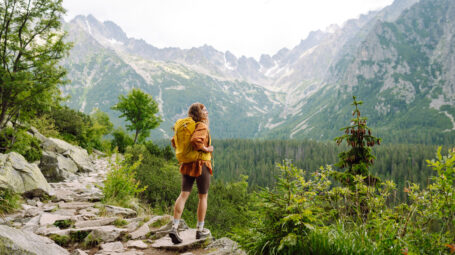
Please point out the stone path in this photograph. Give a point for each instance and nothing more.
(76, 220)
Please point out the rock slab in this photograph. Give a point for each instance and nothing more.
(14, 242)
(189, 241)
(22, 177)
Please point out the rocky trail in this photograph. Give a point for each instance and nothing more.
(74, 221)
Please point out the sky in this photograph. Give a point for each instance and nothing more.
(244, 27)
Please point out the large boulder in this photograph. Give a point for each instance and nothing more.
(22, 177)
(17, 242)
(75, 153)
(34, 132)
(56, 167)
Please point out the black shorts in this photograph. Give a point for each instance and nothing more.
(202, 181)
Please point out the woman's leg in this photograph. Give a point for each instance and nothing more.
(202, 207)
(180, 204)
(203, 184)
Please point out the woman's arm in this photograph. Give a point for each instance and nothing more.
(199, 138)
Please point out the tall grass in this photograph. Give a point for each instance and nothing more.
(9, 201)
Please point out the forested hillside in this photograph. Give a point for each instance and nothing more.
(258, 160)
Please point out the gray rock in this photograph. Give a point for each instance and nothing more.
(33, 224)
(22, 177)
(120, 211)
(79, 252)
(108, 233)
(66, 212)
(104, 233)
(225, 246)
(50, 218)
(94, 223)
(76, 153)
(189, 241)
(112, 247)
(136, 244)
(75, 205)
(18, 242)
(55, 167)
(46, 230)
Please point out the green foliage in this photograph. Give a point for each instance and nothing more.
(9, 201)
(79, 236)
(121, 140)
(159, 223)
(121, 186)
(258, 158)
(155, 150)
(430, 221)
(20, 141)
(120, 222)
(32, 45)
(90, 241)
(312, 216)
(139, 109)
(80, 128)
(63, 224)
(286, 214)
(45, 124)
(160, 178)
(359, 158)
(61, 240)
(101, 124)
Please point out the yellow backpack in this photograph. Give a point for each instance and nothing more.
(183, 129)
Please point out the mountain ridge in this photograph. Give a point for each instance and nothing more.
(287, 95)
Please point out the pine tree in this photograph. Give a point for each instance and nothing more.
(359, 158)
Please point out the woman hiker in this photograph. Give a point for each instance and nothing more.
(199, 170)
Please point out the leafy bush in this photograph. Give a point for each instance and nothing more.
(121, 140)
(9, 201)
(45, 125)
(82, 129)
(121, 186)
(311, 216)
(20, 141)
(161, 178)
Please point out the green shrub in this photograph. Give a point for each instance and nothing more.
(45, 124)
(82, 129)
(9, 201)
(120, 222)
(90, 241)
(63, 241)
(159, 223)
(161, 178)
(20, 141)
(121, 140)
(63, 224)
(121, 186)
(79, 236)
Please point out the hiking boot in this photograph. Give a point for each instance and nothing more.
(202, 233)
(174, 235)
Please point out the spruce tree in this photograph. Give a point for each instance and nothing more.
(358, 158)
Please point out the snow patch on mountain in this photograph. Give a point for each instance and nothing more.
(303, 125)
(274, 125)
(178, 87)
(115, 42)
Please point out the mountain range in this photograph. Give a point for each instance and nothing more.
(398, 60)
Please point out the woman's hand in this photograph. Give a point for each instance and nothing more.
(208, 149)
